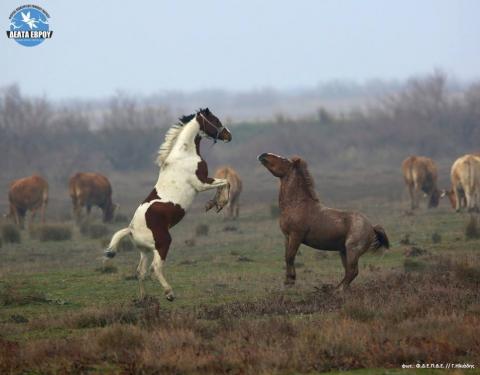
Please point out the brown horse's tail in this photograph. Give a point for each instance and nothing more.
(382, 239)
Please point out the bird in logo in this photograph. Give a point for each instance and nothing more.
(29, 21)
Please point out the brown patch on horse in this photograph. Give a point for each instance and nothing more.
(160, 217)
(152, 196)
(202, 168)
(304, 220)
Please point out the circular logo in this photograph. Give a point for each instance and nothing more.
(29, 25)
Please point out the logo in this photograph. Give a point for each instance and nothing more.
(29, 25)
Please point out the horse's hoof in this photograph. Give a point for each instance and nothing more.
(170, 296)
(289, 282)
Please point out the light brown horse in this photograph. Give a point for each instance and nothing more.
(420, 174)
(230, 193)
(304, 220)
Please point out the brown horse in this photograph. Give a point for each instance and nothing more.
(230, 193)
(420, 174)
(304, 220)
(28, 193)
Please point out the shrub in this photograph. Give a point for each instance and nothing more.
(436, 237)
(94, 230)
(126, 244)
(10, 233)
(120, 218)
(472, 229)
(51, 232)
(274, 211)
(202, 230)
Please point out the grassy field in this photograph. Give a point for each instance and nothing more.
(61, 312)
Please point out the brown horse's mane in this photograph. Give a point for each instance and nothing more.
(308, 184)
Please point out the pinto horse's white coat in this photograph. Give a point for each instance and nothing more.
(177, 184)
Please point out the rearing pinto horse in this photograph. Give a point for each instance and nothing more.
(183, 174)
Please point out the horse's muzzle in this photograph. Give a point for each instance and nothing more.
(261, 157)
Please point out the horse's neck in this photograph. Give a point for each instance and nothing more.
(293, 194)
(187, 137)
(187, 144)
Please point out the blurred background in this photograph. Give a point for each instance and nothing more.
(353, 87)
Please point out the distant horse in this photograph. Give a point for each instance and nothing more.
(303, 219)
(183, 174)
(91, 189)
(230, 194)
(465, 177)
(420, 174)
(28, 193)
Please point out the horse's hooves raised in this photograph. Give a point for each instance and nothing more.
(170, 296)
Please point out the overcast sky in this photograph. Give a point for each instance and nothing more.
(151, 46)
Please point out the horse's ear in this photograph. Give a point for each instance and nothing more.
(296, 161)
(207, 111)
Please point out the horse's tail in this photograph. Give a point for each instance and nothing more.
(381, 236)
(116, 238)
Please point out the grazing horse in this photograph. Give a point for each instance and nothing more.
(91, 189)
(304, 220)
(465, 177)
(28, 193)
(420, 174)
(183, 174)
(230, 194)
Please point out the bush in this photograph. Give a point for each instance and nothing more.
(10, 233)
(94, 230)
(202, 230)
(121, 218)
(51, 232)
(126, 244)
(274, 211)
(436, 237)
(472, 229)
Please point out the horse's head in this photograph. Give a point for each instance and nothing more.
(449, 193)
(277, 165)
(211, 127)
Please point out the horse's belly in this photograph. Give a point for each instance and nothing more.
(329, 243)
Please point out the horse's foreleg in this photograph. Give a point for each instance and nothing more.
(215, 183)
(292, 243)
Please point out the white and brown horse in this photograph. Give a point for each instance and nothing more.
(183, 174)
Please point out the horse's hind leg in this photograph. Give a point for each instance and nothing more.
(158, 270)
(141, 272)
(350, 262)
(162, 244)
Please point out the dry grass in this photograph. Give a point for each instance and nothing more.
(431, 316)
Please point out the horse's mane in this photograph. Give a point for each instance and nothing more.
(170, 139)
(308, 184)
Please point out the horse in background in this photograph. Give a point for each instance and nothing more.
(420, 174)
(28, 193)
(91, 189)
(304, 220)
(229, 194)
(183, 174)
(465, 177)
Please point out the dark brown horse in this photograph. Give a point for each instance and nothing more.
(304, 220)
